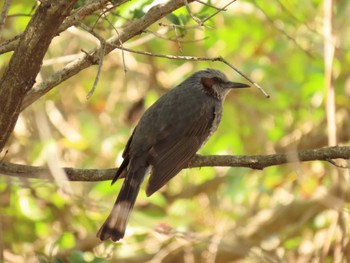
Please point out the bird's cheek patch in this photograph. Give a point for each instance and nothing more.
(207, 82)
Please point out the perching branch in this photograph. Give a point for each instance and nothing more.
(253, 162)
(260, 162)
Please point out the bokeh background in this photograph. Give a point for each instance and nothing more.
(287, 213)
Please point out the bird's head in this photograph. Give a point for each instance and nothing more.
(216, 84)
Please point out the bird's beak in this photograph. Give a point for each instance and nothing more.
(236, 85)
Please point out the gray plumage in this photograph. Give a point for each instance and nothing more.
(166, 138)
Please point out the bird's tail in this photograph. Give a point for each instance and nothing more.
(115, 225)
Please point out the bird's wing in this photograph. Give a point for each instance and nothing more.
(172, 153)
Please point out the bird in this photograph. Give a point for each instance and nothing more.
(166, 138)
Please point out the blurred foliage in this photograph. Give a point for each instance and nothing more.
(279, 44)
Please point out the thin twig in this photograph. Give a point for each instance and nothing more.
(182, 58)
(101, 57)
(92, 32)
(4, 12)
(177, 40)
(196, 19)
(196, 59)
(218, 11)
(246, 77)
(120, 43)
(100, 64)
(180, 26)
(103, 14)
(212, 6)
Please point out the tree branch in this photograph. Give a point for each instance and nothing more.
(253, 162)
(76, 17)
(132, 29)
(260, 162)
(19, 76)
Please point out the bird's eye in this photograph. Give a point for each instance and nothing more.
(217, 80)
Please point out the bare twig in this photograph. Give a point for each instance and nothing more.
(196, 19)
(218, 11)
(246, 77)
(254, 162)
(176, 57)
(197, 59)
(100, 59)
(120, 44)
(177, 39)
(156, 34)
(104, 12)
(212, 6)
(4, 12)
(92, 32)
(179, 26)
(97, 78)
(201, 22)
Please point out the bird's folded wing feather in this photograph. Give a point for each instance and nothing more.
(173, 153)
